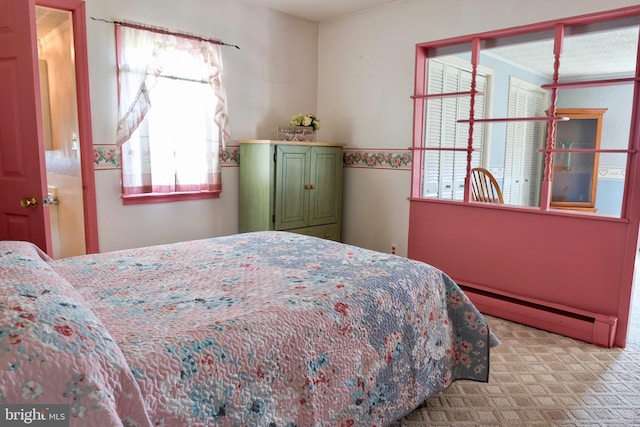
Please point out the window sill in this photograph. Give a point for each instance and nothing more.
(521, 209)
(137, 199)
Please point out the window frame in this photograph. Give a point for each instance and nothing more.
(159, 197)
(425, 51)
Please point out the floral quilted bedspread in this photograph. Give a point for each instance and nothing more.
(255, 329)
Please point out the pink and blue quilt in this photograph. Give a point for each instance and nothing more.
(255, 329)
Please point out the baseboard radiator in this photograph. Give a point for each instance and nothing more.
(595, 328)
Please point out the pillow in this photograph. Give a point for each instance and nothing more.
(53, 348)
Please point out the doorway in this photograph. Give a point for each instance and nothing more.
(61, 130)
(24, 210)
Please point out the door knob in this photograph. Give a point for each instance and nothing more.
(29, 202)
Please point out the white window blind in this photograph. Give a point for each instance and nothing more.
(444, 171)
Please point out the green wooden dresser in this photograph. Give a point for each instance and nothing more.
(293, 186)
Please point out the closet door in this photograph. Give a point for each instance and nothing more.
(445, 171)
(523, 163)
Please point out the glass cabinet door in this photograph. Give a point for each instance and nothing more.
(575, 174)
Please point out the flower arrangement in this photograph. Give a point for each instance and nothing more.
(306, 120)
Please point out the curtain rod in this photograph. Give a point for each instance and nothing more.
(165, 31)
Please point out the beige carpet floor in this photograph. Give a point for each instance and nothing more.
(543, 379)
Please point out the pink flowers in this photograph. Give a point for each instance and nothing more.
(64, 330)
(381, 159)
(341, 308)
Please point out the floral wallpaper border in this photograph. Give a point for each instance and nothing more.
(230, 156)
(377, 158)
(106, 157)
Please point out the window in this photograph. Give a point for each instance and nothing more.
(173, 118)
(534, 73)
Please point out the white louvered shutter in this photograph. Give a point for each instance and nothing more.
(444, 171)
(523, 162)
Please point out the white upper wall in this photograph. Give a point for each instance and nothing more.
(272, 77)
(356, 72)
(365, 80)
(367, 59)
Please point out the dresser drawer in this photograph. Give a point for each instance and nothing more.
(328, 231)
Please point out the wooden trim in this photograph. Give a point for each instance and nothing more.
(274, 141)
(594, 328)
(514, 119)
(590, 83)
(79, 23)
(139, 199)
(607, 15)
(447, 95)
(419, 87)
(85, 129)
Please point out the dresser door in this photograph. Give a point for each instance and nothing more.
(292, 187)
(326, 185)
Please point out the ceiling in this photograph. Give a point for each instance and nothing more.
(318, 10)
(48, 19)
(591, 54)
(609, 54)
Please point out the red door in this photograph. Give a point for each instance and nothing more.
(22, 168)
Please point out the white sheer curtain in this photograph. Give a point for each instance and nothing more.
(176, 147)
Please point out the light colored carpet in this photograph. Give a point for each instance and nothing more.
(543, 379)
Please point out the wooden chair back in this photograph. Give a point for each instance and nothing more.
(485, 187)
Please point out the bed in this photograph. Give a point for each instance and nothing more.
(257, 329)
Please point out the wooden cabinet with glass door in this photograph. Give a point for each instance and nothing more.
(575, 174)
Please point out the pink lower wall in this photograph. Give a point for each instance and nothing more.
(573, 260)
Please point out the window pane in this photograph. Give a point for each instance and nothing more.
(521, 65)
(181, 98)
(182, 140)
(611, 182)
(444, 171)
(603, 50)
(527, 56)
(523, 162)
(616, 102)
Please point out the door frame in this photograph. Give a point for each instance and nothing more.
(79, 22)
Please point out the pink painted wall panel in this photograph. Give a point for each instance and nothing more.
(564, 259)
